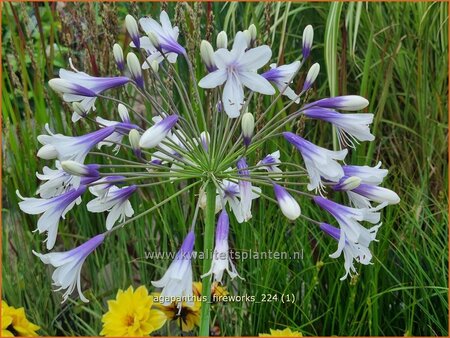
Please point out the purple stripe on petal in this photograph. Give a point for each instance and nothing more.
(168, 122)
(222, 227)
(272, 75)
(331, 230)
(188, 245)
(280, 192)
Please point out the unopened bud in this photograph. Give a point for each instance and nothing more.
(135, 69)
(311, 76)
(118, 56)
(207, 53)
(47, 152)
(248, 37)
(123, 113)
(134, 138)
(253, 32)
(348, 183)
(308, 36)
(133, 30)
(78, 169)
(248, 126)
(222, 40)
(155, 66)
(154, 40)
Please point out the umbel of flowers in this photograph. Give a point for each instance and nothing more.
(210, 150)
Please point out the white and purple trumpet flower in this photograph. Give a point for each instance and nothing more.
(163, 41)
(83, 88)
(352, 251)
(288, 205)
(68, 264)
(346, 102)
(76, 148)
(116, 202)
(57, 182)
(368, 175)
(350, 127)
(281, 77)
(153, 136)
(237, 68)
(221, 258)
(52, 210)
(319, 162)
(349, 218)
(177, 281)
(271, 163)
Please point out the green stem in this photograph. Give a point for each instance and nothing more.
(208, 241)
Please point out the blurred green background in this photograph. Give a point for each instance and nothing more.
(394, 54)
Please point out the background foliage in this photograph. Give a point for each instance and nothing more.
(395, 54)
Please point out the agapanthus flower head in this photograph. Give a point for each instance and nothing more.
(52, 210)
(177, 281)
(237, 68)
(68, 264)
(319, 162)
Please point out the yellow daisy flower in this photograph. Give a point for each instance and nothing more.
(281, 333)
(15, 322)
(131, 315)
(186, 317)
(217, 291)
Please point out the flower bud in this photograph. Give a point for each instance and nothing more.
(207, 53)
(222, 40)
(118, 56)
(134, 138)
(248, 37)
(154, 40)
(135, 69)
(347, 183)
(78, 169)
(308, 35)
(253, 32)
(311, 76)
(288, 205)
(123, 113)
(248, 126)
(47, 152)
(133, 30)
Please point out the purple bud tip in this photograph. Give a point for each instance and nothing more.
(247, 141)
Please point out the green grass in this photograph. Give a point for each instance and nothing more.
(395, 54)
